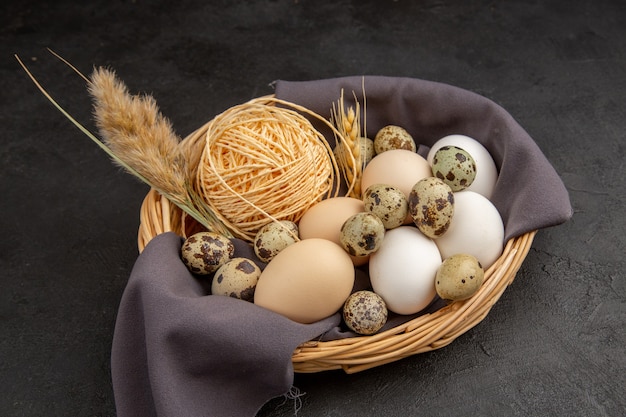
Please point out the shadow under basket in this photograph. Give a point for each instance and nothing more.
(421, 334)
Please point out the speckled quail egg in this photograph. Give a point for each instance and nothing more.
(204, 252)
(365, 312)
(459, 277)
(367, 149)
(237, 278)
(362, 234)
(388, 203)
(454, 166)
(393, 137)
(274, 237)
(431, 205)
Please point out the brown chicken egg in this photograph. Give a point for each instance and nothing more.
(307, 281)
(324, 220)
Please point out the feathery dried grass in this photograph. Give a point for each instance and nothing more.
(134, 129)
(141, 140)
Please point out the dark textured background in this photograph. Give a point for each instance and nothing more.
(553, 345)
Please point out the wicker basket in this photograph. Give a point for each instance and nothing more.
(422, 334)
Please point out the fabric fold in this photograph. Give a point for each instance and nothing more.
(529, 193)
(178, 352)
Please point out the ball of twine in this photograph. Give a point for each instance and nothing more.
(264, 162)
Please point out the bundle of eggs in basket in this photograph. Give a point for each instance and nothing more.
(424, 228)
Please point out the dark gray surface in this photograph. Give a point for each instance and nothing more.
(553, 345)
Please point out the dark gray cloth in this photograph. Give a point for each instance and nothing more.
(179, 352)
(529, 193)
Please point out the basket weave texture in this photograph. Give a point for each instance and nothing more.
(421, 334)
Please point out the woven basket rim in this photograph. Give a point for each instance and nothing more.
(354, 354)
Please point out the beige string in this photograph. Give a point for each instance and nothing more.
(264, 162)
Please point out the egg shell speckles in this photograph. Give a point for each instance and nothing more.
(274, 237)
(365, 312)
(459, 277)
(393, 137)
(204, 252)
(386, 202)
(362, 234)
(237, 278)
(486, 170)
(431, 204)
(454, 166)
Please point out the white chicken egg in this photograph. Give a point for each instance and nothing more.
(476, 229)
(486, 170)
(403, 270)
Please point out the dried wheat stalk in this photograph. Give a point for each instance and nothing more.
(348, 122)
(139, 139)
